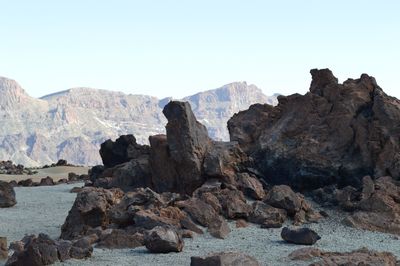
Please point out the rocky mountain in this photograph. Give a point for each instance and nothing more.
(72, 124)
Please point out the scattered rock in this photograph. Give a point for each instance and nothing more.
(163, 240)
(300, 236)
(26, 183)
(120, 239)
(241, 223)
(89, 211)
(7, 195)
(3, 248)
(267, 216)
(47, 181)
(42, 250)
(358, 257)
(224, 259)
(283, 197)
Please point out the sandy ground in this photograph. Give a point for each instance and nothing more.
(56, 173)
(43, 209)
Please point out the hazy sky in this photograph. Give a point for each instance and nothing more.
(176, 48)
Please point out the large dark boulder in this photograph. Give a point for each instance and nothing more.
(121, 150)
(188, 142)
(7, 195)
(42, 250)
(90, 210)
(334, 134)
(163, 240)
(300, 236)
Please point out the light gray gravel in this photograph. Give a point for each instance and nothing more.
(43, 209)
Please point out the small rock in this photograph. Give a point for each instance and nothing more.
(163, 240)
(301, 236)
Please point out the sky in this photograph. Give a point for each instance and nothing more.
(177, 48)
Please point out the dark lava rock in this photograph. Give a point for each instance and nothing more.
(3, 248)
(224, 259)
(188, 143)
(7, 195)
(334, 134)
(121, 151)
(42, 250)
(301, 236)
(163, 240)
(47, 181)
(120, 239)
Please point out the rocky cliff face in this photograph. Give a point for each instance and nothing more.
(72, 124)
(334, 134)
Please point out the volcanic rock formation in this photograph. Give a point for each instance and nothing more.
(334, 134)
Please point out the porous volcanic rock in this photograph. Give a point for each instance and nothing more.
(224, 259)
(89, 211)
(42, 250)
(121, 151)
(188, 143)
(7, 195)
(163, 240)
(375, 207)
(334, 134)
(300, 236)
(3, 248)
(362, 256)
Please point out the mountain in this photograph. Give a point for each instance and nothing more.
(72, 124)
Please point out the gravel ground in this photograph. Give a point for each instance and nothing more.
(43, 209)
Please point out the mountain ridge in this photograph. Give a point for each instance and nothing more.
(71, 124)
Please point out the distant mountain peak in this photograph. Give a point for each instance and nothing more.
(71, 124)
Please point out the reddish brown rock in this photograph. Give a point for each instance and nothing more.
(7, 195)
(89, 211)
(283, 197)
(334, 134)
(188, 143)
(267, 216)
(163, 240)
(3, 248)
(300, 236)
(358, 257)
(47, 181)
(224, 259)
(120, 239)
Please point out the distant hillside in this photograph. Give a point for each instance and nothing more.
(72, 124)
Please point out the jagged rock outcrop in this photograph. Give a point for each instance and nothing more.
(334, 134)
(362, 256)
(72, 124)
(7, 195)
(42, 250)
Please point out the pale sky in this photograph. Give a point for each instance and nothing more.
(177, 48)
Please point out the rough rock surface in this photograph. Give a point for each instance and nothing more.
(163, 240)
(334, 134)
(3, 248)
(300, 236)
(375, 207)
(42, 250)
(188, 143)
(362, 256)
(7, 195)
(224, 259)
(89, 211)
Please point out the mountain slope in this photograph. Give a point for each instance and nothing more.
(72, 124)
